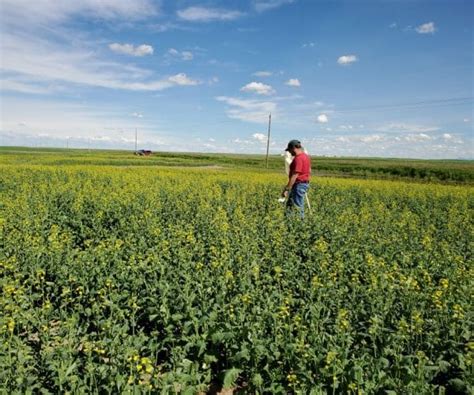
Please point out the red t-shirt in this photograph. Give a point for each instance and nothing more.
(302, 165)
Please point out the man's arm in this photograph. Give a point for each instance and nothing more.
(291, 182)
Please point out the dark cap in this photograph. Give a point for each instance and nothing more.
(293, 144)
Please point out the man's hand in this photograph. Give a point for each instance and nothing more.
(284, 193)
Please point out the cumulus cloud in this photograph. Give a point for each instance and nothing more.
(260, 137)
(293, 82)
(203, 14)
(183, 55)
(347, 59)
(129, 49)
(259, 88)
(182, 79)
(426, 28)
(322, 118)
(263, 74)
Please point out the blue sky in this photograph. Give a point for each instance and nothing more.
(382, 78)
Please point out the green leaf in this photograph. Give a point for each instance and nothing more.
(257, 380)
(70, 369)
(231, 377)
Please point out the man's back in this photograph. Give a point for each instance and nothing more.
(302, 165)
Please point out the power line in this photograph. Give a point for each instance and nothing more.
(420, 104)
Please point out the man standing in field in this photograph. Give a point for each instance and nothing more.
(298, 178)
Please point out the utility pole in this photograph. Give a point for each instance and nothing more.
(268, 139)
(136, 140)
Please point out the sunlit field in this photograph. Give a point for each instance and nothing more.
(121, 274)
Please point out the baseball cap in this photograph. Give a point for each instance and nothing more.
(293, 144)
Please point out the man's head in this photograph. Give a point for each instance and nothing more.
(294, 147)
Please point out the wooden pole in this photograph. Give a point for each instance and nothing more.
(135, 139)
(268, 139)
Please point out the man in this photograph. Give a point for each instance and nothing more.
(298, 178)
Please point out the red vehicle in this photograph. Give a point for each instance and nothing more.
(143, 152)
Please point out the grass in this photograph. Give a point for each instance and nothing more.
(444, 171)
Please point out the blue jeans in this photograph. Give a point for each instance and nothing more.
(296, 198)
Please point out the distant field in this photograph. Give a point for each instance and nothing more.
(445, 171)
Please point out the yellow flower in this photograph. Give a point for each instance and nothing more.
(292, 378)
(458, 312)
(444, 282)
(11, 325)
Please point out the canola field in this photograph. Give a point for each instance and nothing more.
(154, 280)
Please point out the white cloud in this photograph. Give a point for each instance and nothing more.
(393, 25)
(308, 45)
(260, 137)
(137, 115)
(447, 136)
(406, 128)
(25, 87)
(346, 127)
(129, 49)
(36, 62)
(26, 13)
(371, 138)
(417, 145)
(417, 137)
(182, 79)
(203, 14)
(258, 88)
(322, 118)
(184, 55)
(164, 27)
(293, 82)
(48, 122)
(263, 74)
(249, 110)
(466, 120)
(266, 5)
(187, 55)
(347, 59)
(426, 28)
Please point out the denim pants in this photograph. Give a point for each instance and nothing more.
(296, 198)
